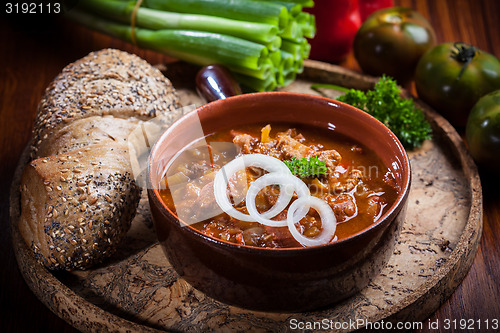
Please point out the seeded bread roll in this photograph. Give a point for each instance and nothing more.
(78, 194)
(106, 82)
(76, 207)
(87, 132)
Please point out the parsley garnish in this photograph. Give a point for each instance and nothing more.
(399, 114)
(304, 167)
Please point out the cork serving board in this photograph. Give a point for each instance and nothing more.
(138, 290)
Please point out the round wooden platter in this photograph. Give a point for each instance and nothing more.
(138, 290)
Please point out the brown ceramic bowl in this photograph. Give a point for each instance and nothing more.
(290, 279)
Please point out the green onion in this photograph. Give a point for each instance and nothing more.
(289, 78)
(274, 44)
(293, 8)
(287, 61)
(307, 23)
(304, 3)
(295, 49)
(285, 67)
(318, 86)
(292, 32)
(261, 41)
(275, 58)
(208, 47)
(255, 84)
(156, 20)
(243, 10)
(265, 70)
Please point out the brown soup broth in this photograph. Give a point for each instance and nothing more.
(357, 201)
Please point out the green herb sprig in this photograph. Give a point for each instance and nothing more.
(399, 114)
(304, 168)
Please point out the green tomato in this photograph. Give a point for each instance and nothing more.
(391, 41)
(483, 131)
(451, 77)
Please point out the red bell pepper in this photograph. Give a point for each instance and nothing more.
(366, 7)
(337, 22)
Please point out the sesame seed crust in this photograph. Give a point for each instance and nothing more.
(106, 82)
(78, 196)
(86, 233)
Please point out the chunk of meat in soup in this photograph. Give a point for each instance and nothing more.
(351, 195)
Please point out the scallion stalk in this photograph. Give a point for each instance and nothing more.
(294, 49)
(156, 20)
(265, 70)
(292, 32)
(206, 46)
(307, 23)
(243, 10)
(304, 3)
(287, 62)
(257, 84)
(261, 41)
(293, 8)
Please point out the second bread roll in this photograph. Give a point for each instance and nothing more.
(76, 207)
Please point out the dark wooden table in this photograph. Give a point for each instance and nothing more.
(34, 49)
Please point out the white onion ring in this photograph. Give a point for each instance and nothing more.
(328, 221)
(268, 163)
(288, 185)
(279, 174)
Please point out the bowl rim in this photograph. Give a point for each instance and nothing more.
(396, 207)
